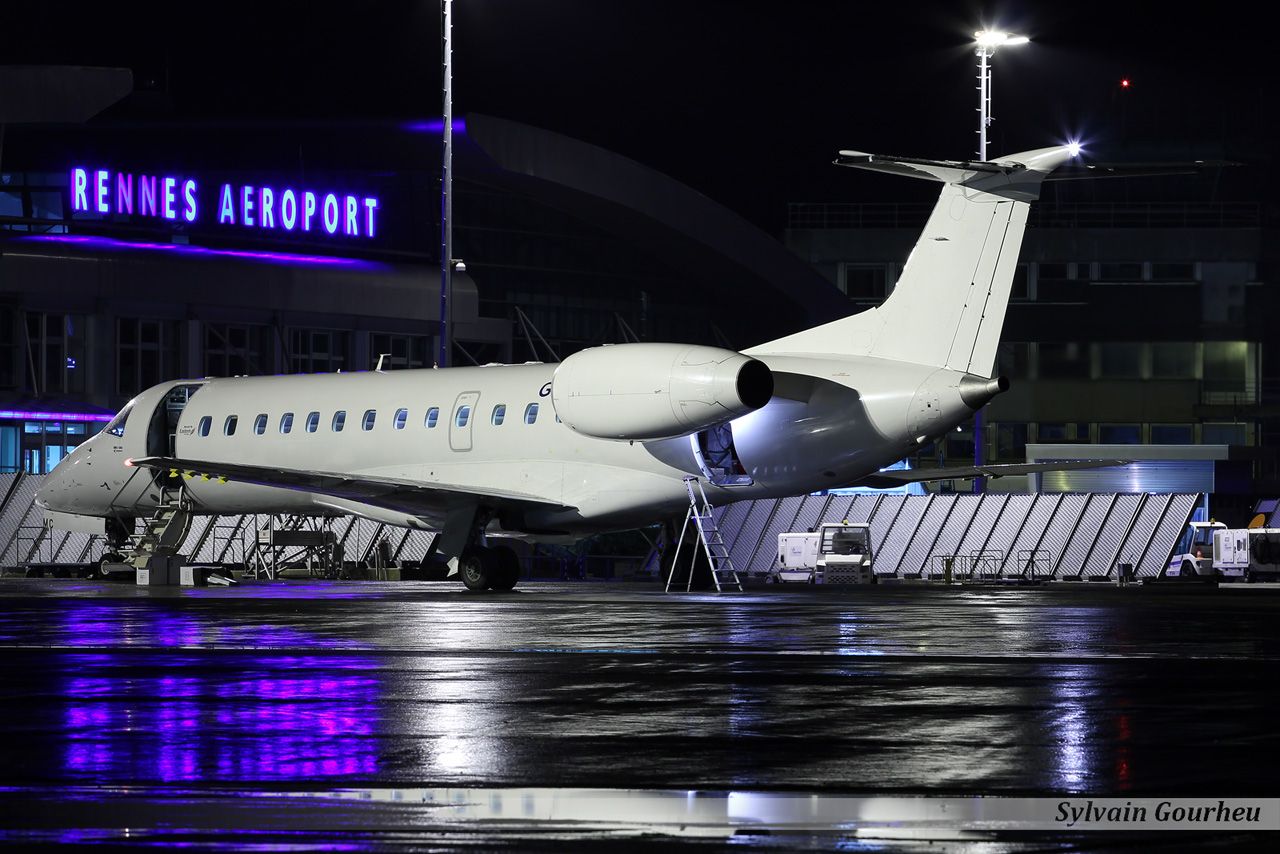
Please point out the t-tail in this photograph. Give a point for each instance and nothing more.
(948, 307)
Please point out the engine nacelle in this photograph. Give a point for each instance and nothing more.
(656, 391)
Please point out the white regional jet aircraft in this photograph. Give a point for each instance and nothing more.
(603, 440)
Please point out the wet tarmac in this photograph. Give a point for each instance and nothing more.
(298, 714)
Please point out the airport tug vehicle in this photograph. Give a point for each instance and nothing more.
(836, 553)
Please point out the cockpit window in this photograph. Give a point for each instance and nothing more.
(116, 425)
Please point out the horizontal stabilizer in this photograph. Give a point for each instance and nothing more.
(889, 479)
(1094, 171)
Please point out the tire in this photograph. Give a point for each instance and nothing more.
(507, 568)
(476, 569)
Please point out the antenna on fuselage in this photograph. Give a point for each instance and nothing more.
(382, 357)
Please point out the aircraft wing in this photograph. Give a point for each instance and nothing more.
(400, 494)
(888, 479)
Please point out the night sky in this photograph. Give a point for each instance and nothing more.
(746, 101)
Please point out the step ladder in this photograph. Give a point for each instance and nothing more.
(713, 545)
(165, 531)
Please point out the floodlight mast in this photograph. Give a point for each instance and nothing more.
(985, 43)
(446, 191)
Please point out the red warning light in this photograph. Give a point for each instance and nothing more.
(1124, 83)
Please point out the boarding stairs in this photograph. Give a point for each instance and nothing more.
(704, 522)
(164, 532)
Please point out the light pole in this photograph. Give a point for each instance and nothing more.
(446, 191)
(985, 43)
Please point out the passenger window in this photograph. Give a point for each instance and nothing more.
(339, 420)
(205, 424)
(116, 425)
(260, 424)
(286, 422)
(531, 413)
(402, 417)
(499, 414)
(229, 426)
(313, 422)
(464, 415)
(370, 416)
(433, 415)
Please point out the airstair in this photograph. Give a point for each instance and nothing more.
(165, 531)
(713, 546)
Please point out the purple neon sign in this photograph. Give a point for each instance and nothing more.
(178, 198)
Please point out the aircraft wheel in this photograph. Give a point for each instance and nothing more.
(508, 568)
(476, 569)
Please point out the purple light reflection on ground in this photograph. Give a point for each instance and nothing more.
(110, 244)
(138, 715)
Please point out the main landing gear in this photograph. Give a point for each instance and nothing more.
(489, 568)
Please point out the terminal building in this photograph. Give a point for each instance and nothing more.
(133, 252)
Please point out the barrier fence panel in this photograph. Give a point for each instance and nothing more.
(1065, 518)
(902, 534)
(744, 545)
(1083, 536)
(984, 520)
(1013, 519)
(783, 521)
(932, 524)
(1165, 537)
(1101, 560)
(957, 525)
(20, 513)
(1028, 539)
(1144, 526)
(882, 520)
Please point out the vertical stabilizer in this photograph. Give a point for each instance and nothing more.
(948, 307)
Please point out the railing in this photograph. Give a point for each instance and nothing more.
(816, 215)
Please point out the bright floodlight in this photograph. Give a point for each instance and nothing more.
(1073, 148)
(995, 38)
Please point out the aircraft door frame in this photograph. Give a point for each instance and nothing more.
(460, 437)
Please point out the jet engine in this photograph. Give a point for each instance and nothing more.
(656, 391)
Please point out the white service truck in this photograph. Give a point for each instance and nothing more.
(1247, 553)
(1193, 554)
(836, 553)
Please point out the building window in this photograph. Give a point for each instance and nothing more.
(464, 415)
(402, 418)
(403, 351)
(863, 281)
(43, 444)
(146, 353)
(1126, 271)
(1172, 434)
(531, 413)
(260, 424)
(1226, 366)
(206, 424)
(1120, 434)
(499, 414)
(55, 348)
(1182, 272)
(314, 351)
(229, 425)
(1063, 360)
(1223, 434)
(339, 421)
(433, 415)
(369, 419)
(1011, 441)
(1014, 359)
(232, 350)
(313, 422)
(1173, 360)
(1051, 431)
(286, 422)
